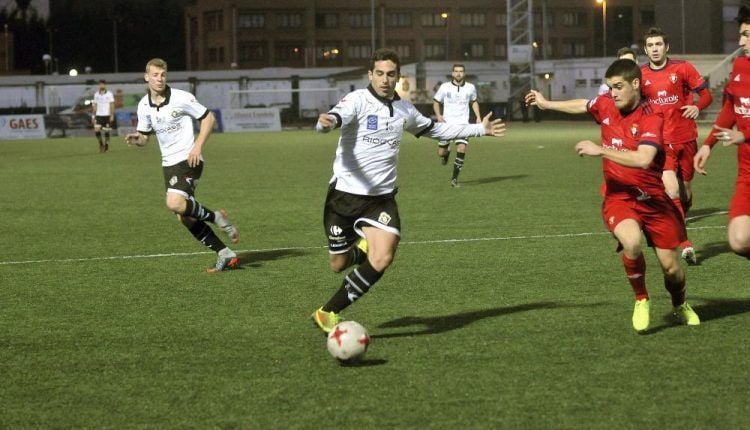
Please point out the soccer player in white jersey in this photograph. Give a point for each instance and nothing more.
(360, 215)
(456, 97)
(104, 115)
(168, 112)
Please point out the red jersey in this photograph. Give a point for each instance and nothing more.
(736, 110)
(672, 87)
(625, 132)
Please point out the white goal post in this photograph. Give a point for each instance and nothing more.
(312, 101)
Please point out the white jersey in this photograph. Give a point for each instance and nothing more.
(456, 101)
(102, 101)
(371, 131)
(172, 123)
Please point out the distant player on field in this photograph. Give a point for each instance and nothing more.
(735, 111)
(360, 215)
(104, 114)
(456, 97)
(671, 84)
(168, 112)
(635, 203)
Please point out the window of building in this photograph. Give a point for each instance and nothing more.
(290, 51)
(473, 19)
(648, 17)
(289, 20)
(501, 19)
(403, 50)
(359, 20)
(327, 20)
(215, 55)
(398, 19)
(359, 51)
(213, 20)
(472, 50)
(571, 19)
(434, 19)
(251, 20)
(501, 49)
(434, 50)
(251, 51)
(574, 49)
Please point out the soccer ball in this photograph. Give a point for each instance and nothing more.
(348, 341)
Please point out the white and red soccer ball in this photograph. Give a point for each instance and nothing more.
(348, 341)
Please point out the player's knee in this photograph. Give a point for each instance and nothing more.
(380, 261)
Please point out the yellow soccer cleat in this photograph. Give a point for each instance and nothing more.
(362, 245)
(641, 314)
(326, 321)
(686, 315)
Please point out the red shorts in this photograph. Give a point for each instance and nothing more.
(740, 204)
(658, 218)
(680, 159)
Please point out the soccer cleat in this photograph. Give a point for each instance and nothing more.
(225, 261)
(454, 183)
(326, 321)
(641, 314)
(222, 221)
(688, 254)
(362, 245)
(686, 315)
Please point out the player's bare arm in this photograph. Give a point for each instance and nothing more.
(641, 158)
(575, 106)
(207, 126)
(436, 109)
(477, 114)
(326, 123)
(494, 128)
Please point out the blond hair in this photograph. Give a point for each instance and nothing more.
(156, 62)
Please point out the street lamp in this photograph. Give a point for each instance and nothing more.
(604, 26)
(444, 15)
(46, 58)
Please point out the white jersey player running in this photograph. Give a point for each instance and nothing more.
(360, 201)
(456, 97)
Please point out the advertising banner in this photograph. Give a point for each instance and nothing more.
(22, 127)
(261, 119)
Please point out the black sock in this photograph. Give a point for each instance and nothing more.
(458, 164)
(106, 137)
(98, 135)
(198, 211)
(355, 285)
(201, 231)
(357, 255)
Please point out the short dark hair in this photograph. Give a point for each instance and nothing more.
(625, 51)
(458, 65)
(102, 81)
(656, 32)
(627, 69)
(743, 15)
(385, 54)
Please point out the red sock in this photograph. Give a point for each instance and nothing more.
(676, 290)
(636, 272)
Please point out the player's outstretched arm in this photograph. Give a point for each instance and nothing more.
(494, 128)
(326, 123)
(535, 98)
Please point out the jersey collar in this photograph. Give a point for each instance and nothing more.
(456, 85)
(382, 99)
(167, 95)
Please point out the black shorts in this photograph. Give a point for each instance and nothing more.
(182, 178)
(344, 213)
(102, 121)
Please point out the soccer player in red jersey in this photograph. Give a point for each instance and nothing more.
(671, 83)
(735, 111)
(635, 202)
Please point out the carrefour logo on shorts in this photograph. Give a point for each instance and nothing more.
(372, 122)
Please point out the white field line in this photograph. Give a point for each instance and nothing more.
(291, 248)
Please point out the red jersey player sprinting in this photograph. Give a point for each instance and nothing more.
(635, 202)
(671, 83)
(735, 110)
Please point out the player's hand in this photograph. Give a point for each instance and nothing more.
(699, 161)
(535, 98)
(727, 136)
(326, 122)
(194, 157)
(587, 147)
(495, 127)
(439, 118)
(690, 111)
(136, 139)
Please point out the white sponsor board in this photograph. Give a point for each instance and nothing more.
(265, 119)
(22, 127)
